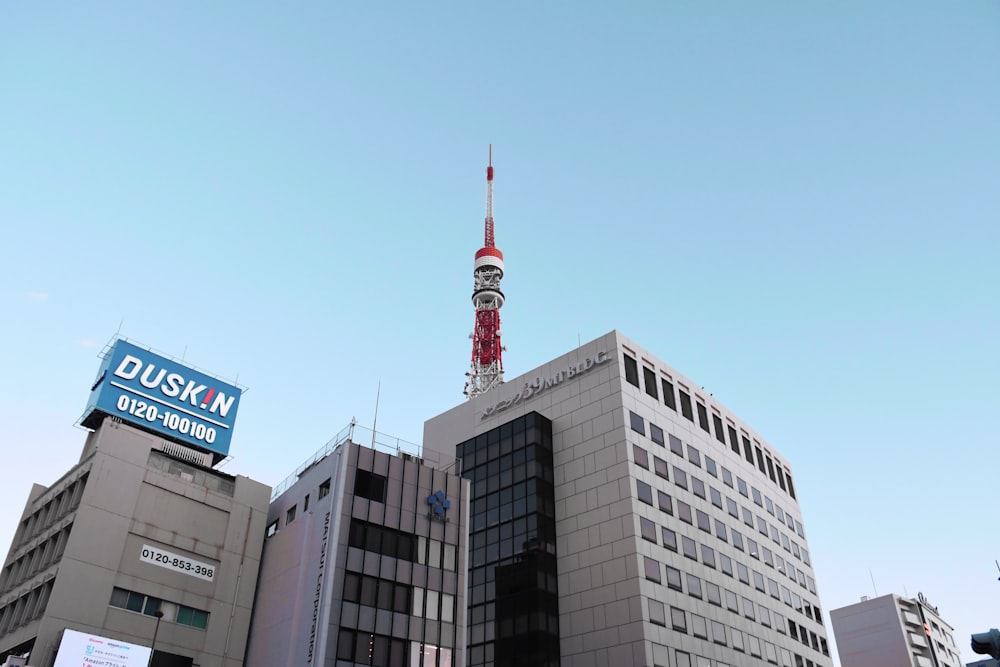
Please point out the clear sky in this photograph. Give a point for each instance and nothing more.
(794, 203)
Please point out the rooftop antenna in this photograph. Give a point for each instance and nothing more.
(486, 370)
(378, 393)
(873, 581)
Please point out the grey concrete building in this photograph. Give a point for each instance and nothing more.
(893, 631)
(140, 525)
(622, 516)
(365, 559)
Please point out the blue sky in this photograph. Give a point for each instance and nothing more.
(794, 204)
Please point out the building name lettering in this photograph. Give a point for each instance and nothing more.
(319, 588)
(540, 384)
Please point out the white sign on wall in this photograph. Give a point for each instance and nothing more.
(79, 649)
(176, 562)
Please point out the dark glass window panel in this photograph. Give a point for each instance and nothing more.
(791, 489)
(742, 573)
(747, 450)
(689, 547)
(686, 410)
(345, 645)
(637, 423)
(703, 521)
(656, 434)
(760, 460)
(651, 568)
(720, 435)
(352, 586)
(726, 564)
(665, 502)
(661, 467)
(698, 487)
(656, 612)
(676, 446)
(702, 417)
(758, 581)
(733, 442)
(713, 593)
(770, 468)
(727, 477)
(669, 538)
(368, 591)
(649, 379)
(680, 478)
(678, 621)
(385, 594)
(647, 529)
(737, 539)
(742, 486)
(757, 498)
(644, 492)
(631, 371)
(762, 526)
(694, 586)
(710, 467)
(781, 480)
(699, 626)
(733, 508)
(402, 599)
(668, 394)
(720, 531)
(640, 456)
(753, 548)
(716, 496)
(684, 512)
(732, 601)
(370, 485)
(674, 578)
(708, 555)
(747, 517)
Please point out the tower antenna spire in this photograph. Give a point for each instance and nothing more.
(486, 371)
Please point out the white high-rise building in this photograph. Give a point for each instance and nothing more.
(623, 516)
(893, 631)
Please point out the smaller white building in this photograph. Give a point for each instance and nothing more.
(893, 631)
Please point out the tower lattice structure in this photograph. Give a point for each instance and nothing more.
(486, 371)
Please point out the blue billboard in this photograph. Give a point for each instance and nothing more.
(164, 396)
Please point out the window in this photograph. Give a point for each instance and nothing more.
(637, 423)
(689, 548)
(733, 442)
(631, 371)
(686, 405)
(678, 619)
(684, 512)
(704, 521)
(640, 456)
(675, 445)
(664, 502)
(742, 486)
(324, 489)
(760, 460)
(720, 531)
(720, 435)
(370, 485)
(669, 538)
(708, 555)
(733, 508)
(732, 602)
(290, 515)
(272, 528)
(674, 578)
(656, 434)
(747, 450)
(651, 568)
(656, 612)
(713, 593)
(668, 393)
(680, 478)
(737, 539)
(710, 466)
(699, 626)
(660, 466)
(702, 417)
(727, 477)
(647, 529)
(694, 456)
(770, 469)
(748, 517)
(718, 633)
(757, 498)
(726, 564)
(644, 492)
(716, 497)
(737, 639)
(698, 487)
(649, 379)
(742, 573)
(748, 609)
(694, 586)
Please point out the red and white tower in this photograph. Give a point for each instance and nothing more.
(487, 365)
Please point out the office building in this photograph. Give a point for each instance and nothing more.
(622, 516)
(365, 559)
(142, 537)
(893, 631)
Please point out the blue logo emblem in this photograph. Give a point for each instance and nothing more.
(439, 505)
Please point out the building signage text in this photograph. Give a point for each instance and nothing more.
(540, 384)
(319, 588)
(177, 563)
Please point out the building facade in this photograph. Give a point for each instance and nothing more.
(133, 529)
(893, 631)
(622, 516)
(142, 544)
(365, 560)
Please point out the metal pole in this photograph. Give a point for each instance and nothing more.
(152, 649)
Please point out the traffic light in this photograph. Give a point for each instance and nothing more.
(987, 642)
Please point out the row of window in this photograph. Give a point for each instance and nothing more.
(709, 493)
(366, 648)
(149, 605)
(767, 465)
(292, 512)
(62, 504)
(25, 608)
(746, 643)
(36, 560)
(402, 598)
(399, 544)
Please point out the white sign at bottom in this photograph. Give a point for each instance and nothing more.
(79, 649)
